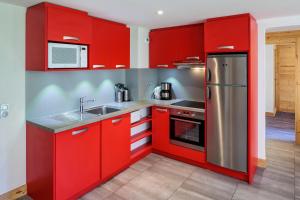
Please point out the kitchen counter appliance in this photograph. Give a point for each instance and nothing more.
(226, 122)
(121, 93)
(187, 128)
(190, 104)
(166, 91)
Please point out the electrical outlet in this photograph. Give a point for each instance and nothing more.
(4, 109)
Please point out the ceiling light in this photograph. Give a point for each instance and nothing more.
(160, 12)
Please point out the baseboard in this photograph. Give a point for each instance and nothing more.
(271, 114)
(14, 194)
(262, 163)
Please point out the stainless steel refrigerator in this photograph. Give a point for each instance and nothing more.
(226, 98)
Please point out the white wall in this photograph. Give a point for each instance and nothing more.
(263, 26)
(270, 78)
(139, 47)
(12, 91)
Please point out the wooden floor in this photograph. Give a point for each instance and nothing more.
(158, 177)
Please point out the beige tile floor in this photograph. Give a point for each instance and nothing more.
(158, 177)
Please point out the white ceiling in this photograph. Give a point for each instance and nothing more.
(177, 12)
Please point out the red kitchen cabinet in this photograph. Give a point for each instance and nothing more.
(47, 22)
(63, 165)
(115, 145)
(68, 25)
(228, 34)
(161, 139)
(160, 129)
(77, 160)
(110, 48)
(238, 33)
(169, 45)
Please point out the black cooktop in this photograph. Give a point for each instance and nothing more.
(190, 104)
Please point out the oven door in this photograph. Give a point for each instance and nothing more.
(187, 132)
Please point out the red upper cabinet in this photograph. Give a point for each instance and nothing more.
(47, 22)
(160, 129)
(110, 48)
(68, 25)
(115, 145)
(228, 34)
(77, 160)
(169, 45)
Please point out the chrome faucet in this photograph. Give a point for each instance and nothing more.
(82, 102)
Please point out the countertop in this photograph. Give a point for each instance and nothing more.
(64, 121)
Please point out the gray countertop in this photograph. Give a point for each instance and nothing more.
(69, 120)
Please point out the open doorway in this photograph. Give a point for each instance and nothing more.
(281, 85)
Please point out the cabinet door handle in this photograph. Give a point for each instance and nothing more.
(80, 131)
(208, 93)
(161, 110)
(98, 66)
(114, 121)
(208, 75)
(71, 38)
(226, 47)
(163, 66)
(193, 57)
(120, 66)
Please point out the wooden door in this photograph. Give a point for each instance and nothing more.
(285, 77)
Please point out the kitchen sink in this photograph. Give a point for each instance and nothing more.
(102, 110)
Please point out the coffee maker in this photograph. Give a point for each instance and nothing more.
(166, 91)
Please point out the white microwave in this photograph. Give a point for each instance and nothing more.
(67, 56)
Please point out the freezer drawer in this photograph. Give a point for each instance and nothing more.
(229, 69)
(227, 127)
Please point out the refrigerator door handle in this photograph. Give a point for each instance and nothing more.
(208, 93)
(208, 75)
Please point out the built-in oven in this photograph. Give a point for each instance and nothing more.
(187, 129)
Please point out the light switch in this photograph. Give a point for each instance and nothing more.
(4, 109)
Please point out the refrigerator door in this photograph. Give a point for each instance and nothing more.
(227, 126)
(228, 69)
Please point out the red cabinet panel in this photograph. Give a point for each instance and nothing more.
(48, 22)
(115, 145)
(110, 46)
(227, 34)
(177, 43)
(77, 160)
(161, 138)
(160, 128)
(68, 25)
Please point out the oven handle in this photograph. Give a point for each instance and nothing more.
(184, 120)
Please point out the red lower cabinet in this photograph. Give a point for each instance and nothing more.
(161, 139)
(115, 145)
(63, 165)
(160, 128)
(77, 160)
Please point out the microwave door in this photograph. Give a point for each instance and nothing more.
(64, 55)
